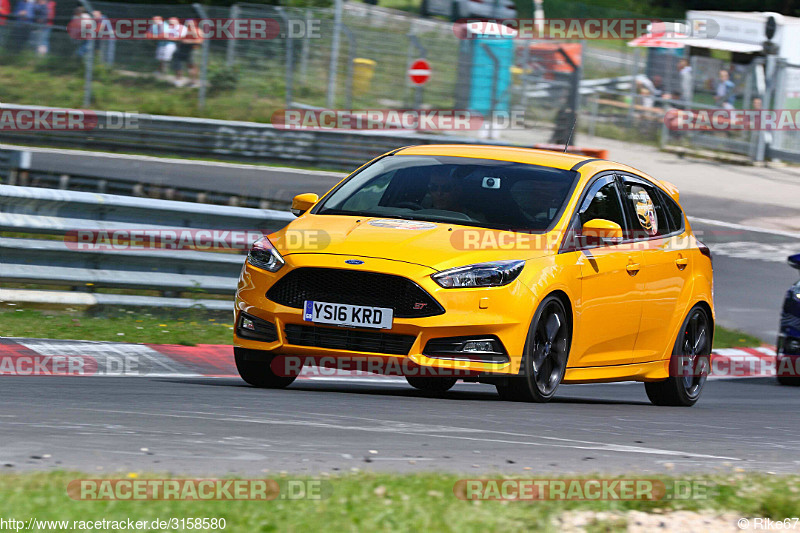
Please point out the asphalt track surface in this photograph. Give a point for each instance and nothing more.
(221, 426)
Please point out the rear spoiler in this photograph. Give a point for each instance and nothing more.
(794, 261)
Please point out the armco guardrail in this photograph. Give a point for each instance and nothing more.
(54, 263)
(230, 140)
(18, 167)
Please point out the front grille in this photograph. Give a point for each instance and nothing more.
(406, 298)
(348, 339)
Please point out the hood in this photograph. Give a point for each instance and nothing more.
(436, 245)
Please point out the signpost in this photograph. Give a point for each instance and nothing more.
(419, 73)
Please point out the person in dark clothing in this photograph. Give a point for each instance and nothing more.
(23, 25)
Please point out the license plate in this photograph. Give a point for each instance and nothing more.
(361, 316)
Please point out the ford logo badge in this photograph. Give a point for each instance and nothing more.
(354, 262)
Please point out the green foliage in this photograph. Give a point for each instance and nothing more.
(222, 78)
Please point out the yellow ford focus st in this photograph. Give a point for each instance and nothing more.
(520, 268)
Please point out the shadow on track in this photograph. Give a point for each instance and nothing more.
(399, 390)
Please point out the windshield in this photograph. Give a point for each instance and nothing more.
(473, 192)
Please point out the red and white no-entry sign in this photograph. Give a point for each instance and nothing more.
(420, 72)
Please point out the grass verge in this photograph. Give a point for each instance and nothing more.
(187, 327)
(386, 502)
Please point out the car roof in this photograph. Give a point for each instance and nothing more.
(547, 158)
(588, 166)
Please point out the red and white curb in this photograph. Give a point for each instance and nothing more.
(38, 357)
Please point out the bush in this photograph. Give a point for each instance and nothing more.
(222, 79)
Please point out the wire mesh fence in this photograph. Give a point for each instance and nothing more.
(615, 90)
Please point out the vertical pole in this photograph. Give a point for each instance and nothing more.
(351, 56)
(337, 26)
(495, 75)
(87, 78)
(634, 73)
(201, 93)
(230, 56)
(289, 65)
(423, 53)
(304, 49)
(526, 59)
(88, 62)
(775, 76)
(595, 111)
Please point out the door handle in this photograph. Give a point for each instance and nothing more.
(633, 268)
(682, 262)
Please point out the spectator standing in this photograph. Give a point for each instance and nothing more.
(107, 45)
(157, 32)
(187, 54)
(171, 34)
(182, 52)
(724, 95)
(43, 14)
(23, 24)
(75, 29)
(5, 11)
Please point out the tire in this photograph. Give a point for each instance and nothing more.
(792, 381)
(544, 361)
(254, 367)
(692, 349)
(423, 9)
(431, 384)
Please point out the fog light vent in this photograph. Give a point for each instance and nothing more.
(487, 349)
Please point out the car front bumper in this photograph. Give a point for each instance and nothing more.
(504, 313)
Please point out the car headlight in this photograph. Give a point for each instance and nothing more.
(264, 255)
(494, 274)
(796, 290)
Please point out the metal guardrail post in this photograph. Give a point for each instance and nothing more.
(18, 164)
(201, 93)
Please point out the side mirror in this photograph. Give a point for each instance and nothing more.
(303, 202)
(599, 229)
